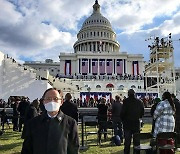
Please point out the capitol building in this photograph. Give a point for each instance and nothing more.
(97, 67)
(97, 64)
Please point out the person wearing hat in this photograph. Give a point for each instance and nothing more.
(132, 111)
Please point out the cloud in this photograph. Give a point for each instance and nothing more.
(133, 15)
(42, 29)
(26, 34)
(135, 42)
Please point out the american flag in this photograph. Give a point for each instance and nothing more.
(95, 66)
(119, 66)
(102, 66)
(95, 95)
(109, 66)
(85, 66)
(135, 68)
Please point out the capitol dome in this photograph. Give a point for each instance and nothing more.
(96, 34)
(96, 19)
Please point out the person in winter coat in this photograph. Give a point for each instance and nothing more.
(53, 132)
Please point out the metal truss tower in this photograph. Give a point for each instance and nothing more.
(160, 71)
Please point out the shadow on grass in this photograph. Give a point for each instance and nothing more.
(10, 146)
(118, 152)
(9, 136)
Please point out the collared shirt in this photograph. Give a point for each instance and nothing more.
(51, 116)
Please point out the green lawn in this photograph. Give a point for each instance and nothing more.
(10, 143)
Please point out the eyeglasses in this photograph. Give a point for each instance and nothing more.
(54, 99)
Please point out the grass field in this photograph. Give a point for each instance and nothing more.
(10, 143)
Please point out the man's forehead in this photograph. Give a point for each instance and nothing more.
(52, 93)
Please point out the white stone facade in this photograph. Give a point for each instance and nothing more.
(48, 64)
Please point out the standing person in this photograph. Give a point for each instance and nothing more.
(116, 119)
(22, 109)
(164, 115)
(53, 132)
(69, 108)
(153, 108)
(102, 118)
(15, 114)
(31, 112)
(132, 111)
(177, 116)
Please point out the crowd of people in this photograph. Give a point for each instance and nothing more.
(51, 122)
(102, 77)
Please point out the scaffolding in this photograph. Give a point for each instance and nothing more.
(160, 71)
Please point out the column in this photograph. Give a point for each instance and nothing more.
(87, 46)
(96, 49)
(113, 61)
(108, 47)
(79, 66)
(92, 47)
(115, 65)
(105, 46)
(91, 66)
(98, 66)
(88, 66)
(105, 65)
(125, 64)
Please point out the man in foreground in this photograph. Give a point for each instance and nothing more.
(53, 132)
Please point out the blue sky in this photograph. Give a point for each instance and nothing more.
(41, 29)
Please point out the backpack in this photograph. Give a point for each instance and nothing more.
(116, 140)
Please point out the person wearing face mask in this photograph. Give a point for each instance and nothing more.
(52, 132)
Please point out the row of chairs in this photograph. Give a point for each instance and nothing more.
(166, 141)
(93, 124)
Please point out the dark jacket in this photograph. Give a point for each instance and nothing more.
(153, 108)
(22, 107)
(102, 112)
(30, 113)
(177, 106)
(132, 111)
(15, 111)
(58, 135)
(70, 109)
(116, 111)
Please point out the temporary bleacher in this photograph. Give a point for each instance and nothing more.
(19, 80)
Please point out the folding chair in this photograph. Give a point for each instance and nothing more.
(141, 142)
(166, 142)
(90, 122)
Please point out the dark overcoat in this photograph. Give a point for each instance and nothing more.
(70, 109)
(45, 135)
(132, 111)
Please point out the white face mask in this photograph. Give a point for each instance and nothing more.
(52, 106)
